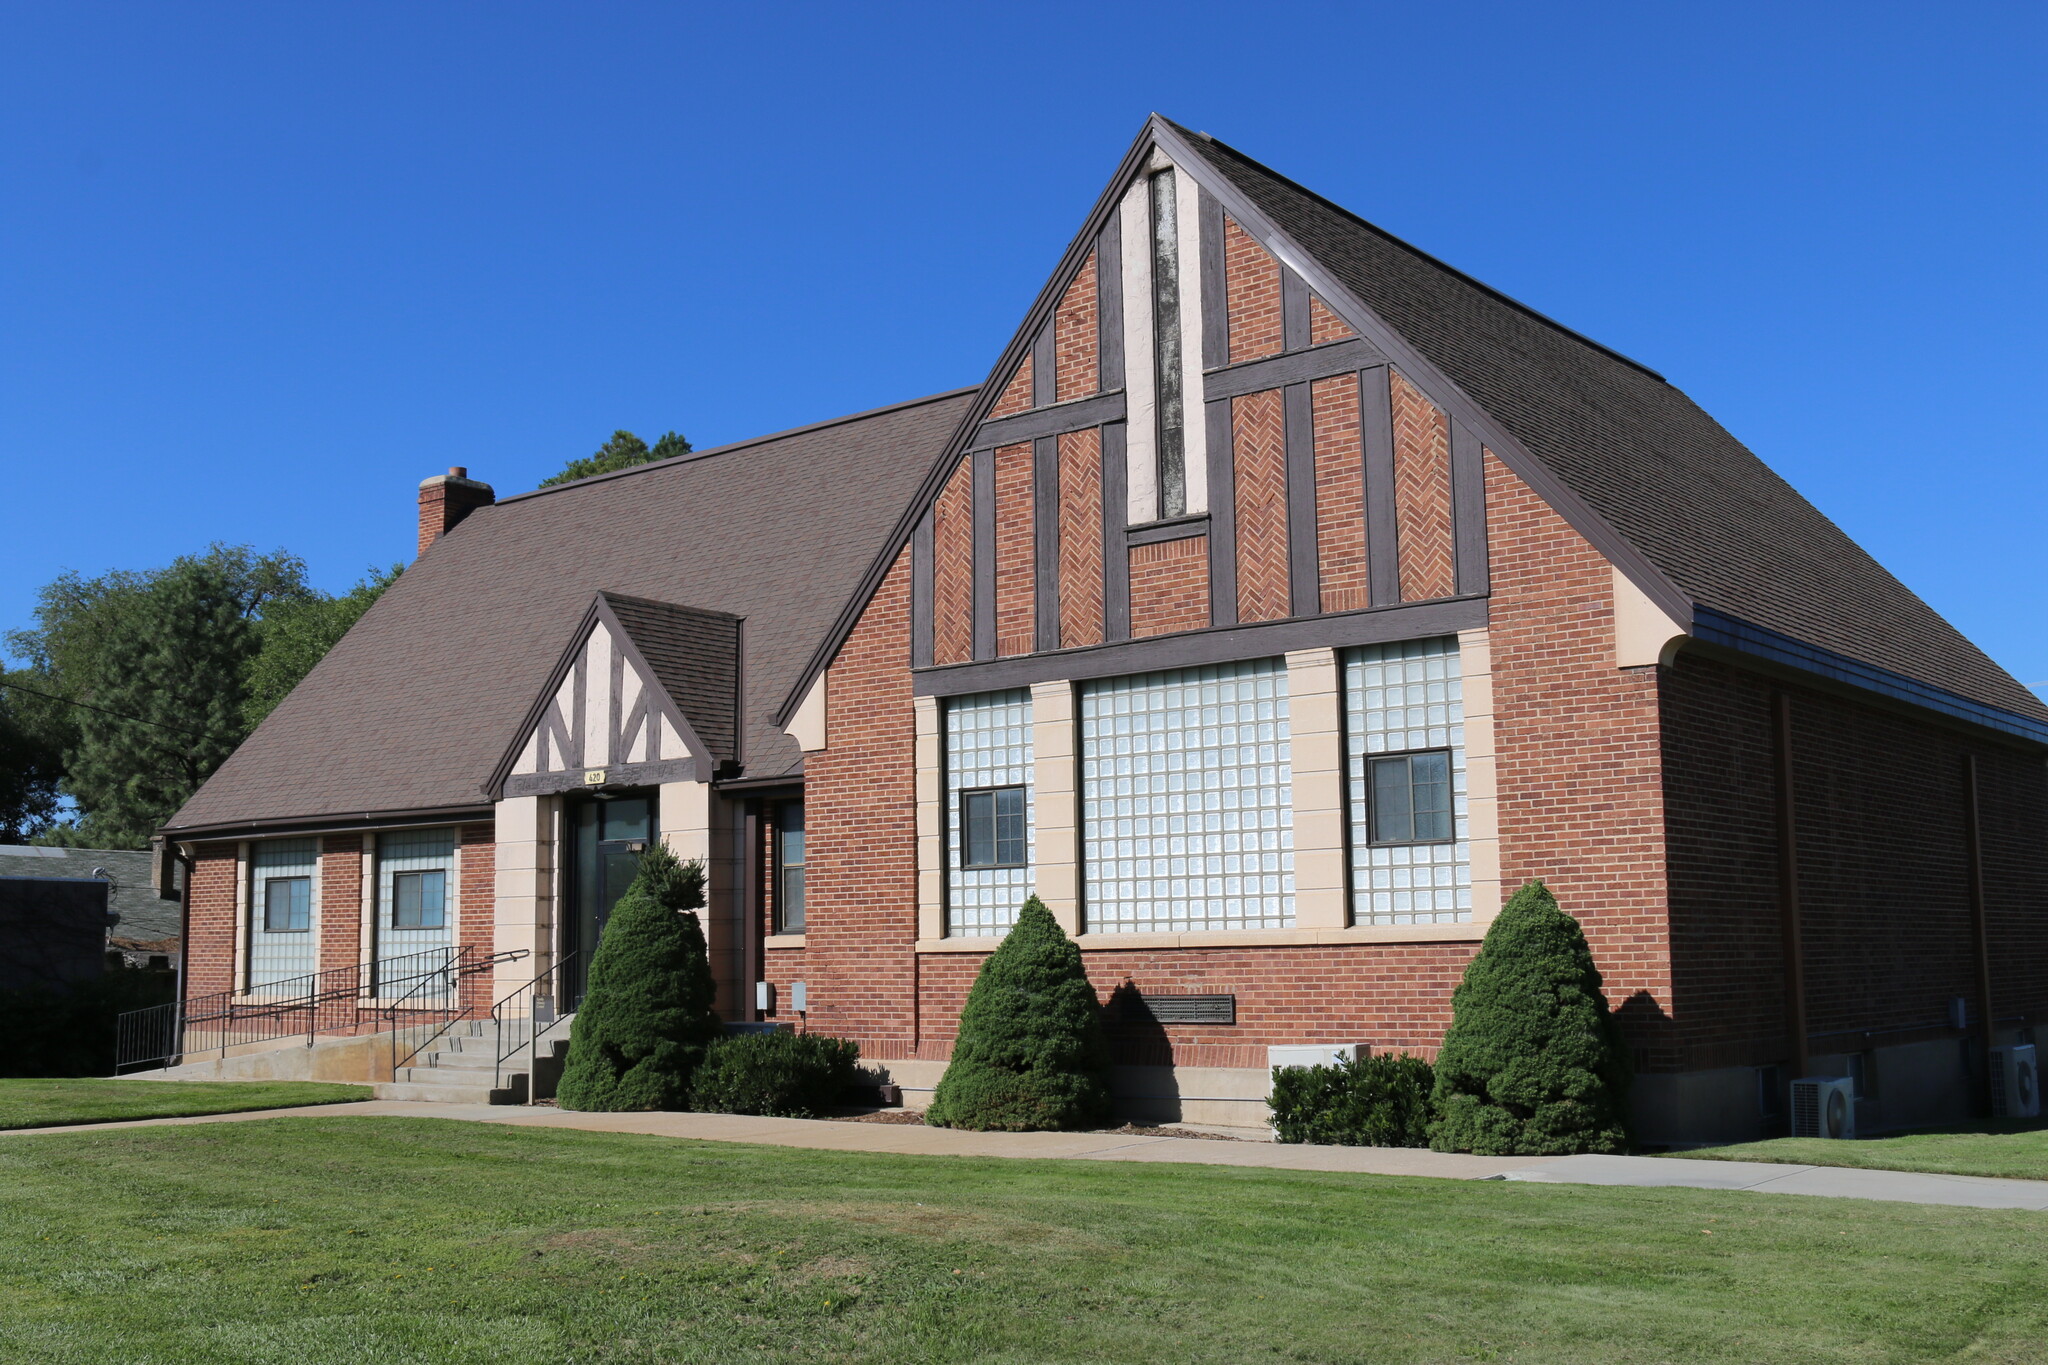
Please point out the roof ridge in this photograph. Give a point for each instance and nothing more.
(1417, 252)
(733, 447)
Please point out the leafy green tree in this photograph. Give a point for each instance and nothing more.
(1534, 1063)
(622, 451)
(1030, 1053)
(31, 755)
(295, 633)
(646, 1017)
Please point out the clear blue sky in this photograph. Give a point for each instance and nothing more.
(264, 267)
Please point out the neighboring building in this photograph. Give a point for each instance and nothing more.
(56, 903)
(1283, 600)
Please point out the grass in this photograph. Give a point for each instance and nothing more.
(48, 1104)
(339, 1240)
(2018, 1148)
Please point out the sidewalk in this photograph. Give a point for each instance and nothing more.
(907, 1139)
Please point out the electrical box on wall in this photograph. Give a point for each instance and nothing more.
(764, 997)
(797, 995)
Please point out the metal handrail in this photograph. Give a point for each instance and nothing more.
(449, 979)
(520, 1015)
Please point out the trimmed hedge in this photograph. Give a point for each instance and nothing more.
(779, 1074)
(1368, 1102)
(1534, 1063)
(1030, 1053)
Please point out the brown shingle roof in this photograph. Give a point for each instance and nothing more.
(414, 708)
(695, 656)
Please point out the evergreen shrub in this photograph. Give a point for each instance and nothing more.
(1367, 1102)
(779, 1074)
(1030, 1054)
(1534, 1063)
(646, 1019)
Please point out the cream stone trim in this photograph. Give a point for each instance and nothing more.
(244, 927)
(1195, 434)
(1316, 743)
(366, 937)
(931, 849)
(524, 888)
(1643, 634)
(807, 724)
(1245, 938)
(782, 941)
(696, 824)
(1056, 798)
(1482, 788)
(1141, 399)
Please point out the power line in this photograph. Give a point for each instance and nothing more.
(118, 715)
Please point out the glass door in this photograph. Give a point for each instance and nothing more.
(606, 839)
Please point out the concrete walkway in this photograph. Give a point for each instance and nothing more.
(911, 1139)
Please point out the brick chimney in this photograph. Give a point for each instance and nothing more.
(446, 499)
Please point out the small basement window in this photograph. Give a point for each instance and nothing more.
(992, 828)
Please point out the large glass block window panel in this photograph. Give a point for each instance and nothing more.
(415, 906)
(989, 840)
(1404, 742)
(282, 944)
(1187, 800)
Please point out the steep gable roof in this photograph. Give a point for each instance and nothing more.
(413, 709)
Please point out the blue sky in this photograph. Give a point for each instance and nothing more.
(263, 268)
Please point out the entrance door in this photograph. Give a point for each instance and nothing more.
(607, 838)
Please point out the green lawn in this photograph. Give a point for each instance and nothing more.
(46, 1104)
(2018, 1149)
(354, 1240)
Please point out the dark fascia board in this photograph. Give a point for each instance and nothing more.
(791, 781)
(599, 610)
(1711, 627)
(1459, 405)
(1076, 414)
(1216, 645)
(971, 421)
(624, 775)
(347, 823)
(1290, 367)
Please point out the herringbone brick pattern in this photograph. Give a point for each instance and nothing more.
(1076, 372)
(953, 569)
(1081, 538)
(1016, 555)
(1422, 493)
(1259, 437)
(1340, 495)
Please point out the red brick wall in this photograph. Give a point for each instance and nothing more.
(1016, 395)
(1076, 368)
(1340, 495)
(953, 569)
(1324, 325)
(1170, 586)
(1016, 556)
(477, 914)
(1422, 493)
(1252, 284)
(1080, 538)
(1259, 453)
(211, 931)
(341, 900)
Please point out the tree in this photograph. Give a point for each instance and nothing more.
(294, 634)
(1030, 1052)
(622, 451)
(31, 756)
(646, 1017)
(1534, 1063)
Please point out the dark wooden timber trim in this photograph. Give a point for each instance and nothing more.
(1078, 415)
(984, 490)
(1382, 527)
(1044, 365)
(789, 784)
(1045, 535)
(921, 586)
(1290, 367)
(1109, 303)
(1215, 286)
(1222, 513)
(1468, 509)
(1116, 560)
(1294, 328)
(1179, 528)
(1303, 579)
(1218, 644)
(618, 775)
(1980, 927)
(1790, 929)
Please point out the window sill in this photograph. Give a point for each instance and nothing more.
(783, 941)
(1470, 932)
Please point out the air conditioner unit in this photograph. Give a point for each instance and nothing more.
(2015, 1082)
(1824, 1107)
(1316, 1054)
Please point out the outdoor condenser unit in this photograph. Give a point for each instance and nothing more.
(1824, 1107)
(2015, 1083)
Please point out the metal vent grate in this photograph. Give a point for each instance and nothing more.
(1178, 1009)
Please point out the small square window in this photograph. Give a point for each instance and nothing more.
(992, 828)
(287, 905)
(419, 899)
(1411, 798)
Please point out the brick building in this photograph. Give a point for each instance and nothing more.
(1282, 601)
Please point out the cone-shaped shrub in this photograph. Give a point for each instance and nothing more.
(1533, 1064)
(646, 1016)
(1030, 1053)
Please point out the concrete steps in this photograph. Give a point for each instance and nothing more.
(462, 1067)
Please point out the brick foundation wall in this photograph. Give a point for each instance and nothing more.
(1422, 493)
(1080, 538)
(953, 569)
(1346, 583)
(1076, 364)
(1169, 586)
(1252, 292)
(1259, 455)
(1016, 555)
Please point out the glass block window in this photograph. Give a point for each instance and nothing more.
(415, 907)
(1404, 746)
(282, 944)
(988, 751)
(1187, 800)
